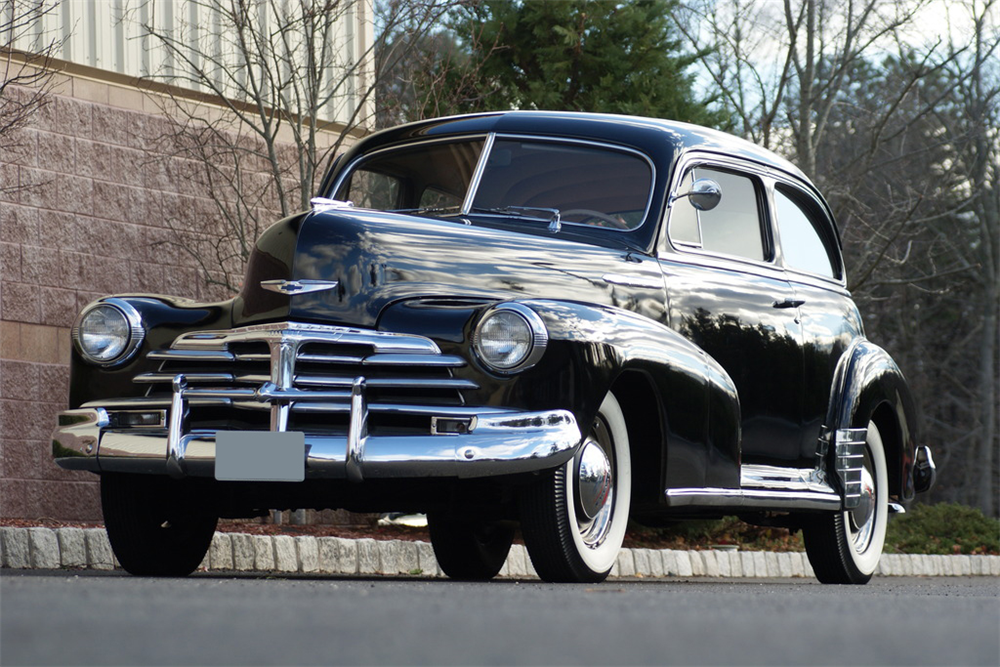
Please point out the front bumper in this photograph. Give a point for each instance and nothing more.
(496, 443)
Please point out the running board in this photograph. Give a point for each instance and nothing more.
(764, 488)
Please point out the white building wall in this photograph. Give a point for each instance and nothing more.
(110, 35)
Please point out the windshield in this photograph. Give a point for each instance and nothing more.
(572, 183)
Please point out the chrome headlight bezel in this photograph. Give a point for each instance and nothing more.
(129, 343)
(535, 338)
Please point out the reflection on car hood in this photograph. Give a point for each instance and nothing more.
(379, 258)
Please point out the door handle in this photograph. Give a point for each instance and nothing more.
(788, 303)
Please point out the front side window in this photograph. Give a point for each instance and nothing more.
(731, 228)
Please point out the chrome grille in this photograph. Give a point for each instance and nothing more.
(299, 376)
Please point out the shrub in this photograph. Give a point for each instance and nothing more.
(945, 528)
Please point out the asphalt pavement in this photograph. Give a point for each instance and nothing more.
(110, 618)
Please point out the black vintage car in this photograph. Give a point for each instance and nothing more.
(562, 321)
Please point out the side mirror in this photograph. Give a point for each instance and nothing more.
(705, 194)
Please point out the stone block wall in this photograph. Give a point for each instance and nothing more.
(88, 207)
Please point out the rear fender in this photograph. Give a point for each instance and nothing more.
(868, 386)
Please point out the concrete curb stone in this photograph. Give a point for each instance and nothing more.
(47, 548)
(263, 553)
(307, 548)
(99, 554)
(367, 556)
(72, 547)
(427, 561)
(243, 556)
(220, 552)
(43, 548)
(683, 560)
(16, 554)
(286, 557)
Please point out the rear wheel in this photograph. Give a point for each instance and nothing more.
(573, 522)
(155, 528)
(469, 550)
(845, 547)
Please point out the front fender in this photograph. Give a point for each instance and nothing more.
(591, 347)
(163, 318)
(868, 385)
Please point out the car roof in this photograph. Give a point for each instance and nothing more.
(651, 135)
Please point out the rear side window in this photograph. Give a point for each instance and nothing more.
(731, 228)
(802, 243)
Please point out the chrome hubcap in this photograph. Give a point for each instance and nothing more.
(593, 480)
(862, 518)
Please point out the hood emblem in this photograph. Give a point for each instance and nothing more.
(290, 287)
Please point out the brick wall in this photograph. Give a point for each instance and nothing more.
(87, 208)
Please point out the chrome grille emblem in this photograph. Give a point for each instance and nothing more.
(298, 286)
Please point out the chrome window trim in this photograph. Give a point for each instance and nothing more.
(760, 173)
(477, 174)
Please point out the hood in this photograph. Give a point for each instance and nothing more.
(381, 258)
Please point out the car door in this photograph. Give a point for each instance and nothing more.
(728, 295)
(808, 249)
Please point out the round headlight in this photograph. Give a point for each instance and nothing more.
(108, 332)
(510, 338)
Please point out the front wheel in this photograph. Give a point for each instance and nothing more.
(573, 522)
(845, 547)
(469, 550)
(155, 528)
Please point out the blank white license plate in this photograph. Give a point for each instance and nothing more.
(260, 456)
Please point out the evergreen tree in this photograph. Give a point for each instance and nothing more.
(578, 55)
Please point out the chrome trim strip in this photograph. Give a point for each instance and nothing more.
(298, 332)
(393, 383)
(764, 487)
(752, 499)
(318, 406)
(849, 461)
(477, 174)
(436, 360)
(632, 281)
(783, 479)
(166, 378)
(190, 355)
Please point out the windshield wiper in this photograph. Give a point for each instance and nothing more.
(427, 210)
(555, 223)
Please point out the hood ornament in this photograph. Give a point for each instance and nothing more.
(290, 287)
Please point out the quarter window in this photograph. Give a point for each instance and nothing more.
(801, 243)
(731, 228)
